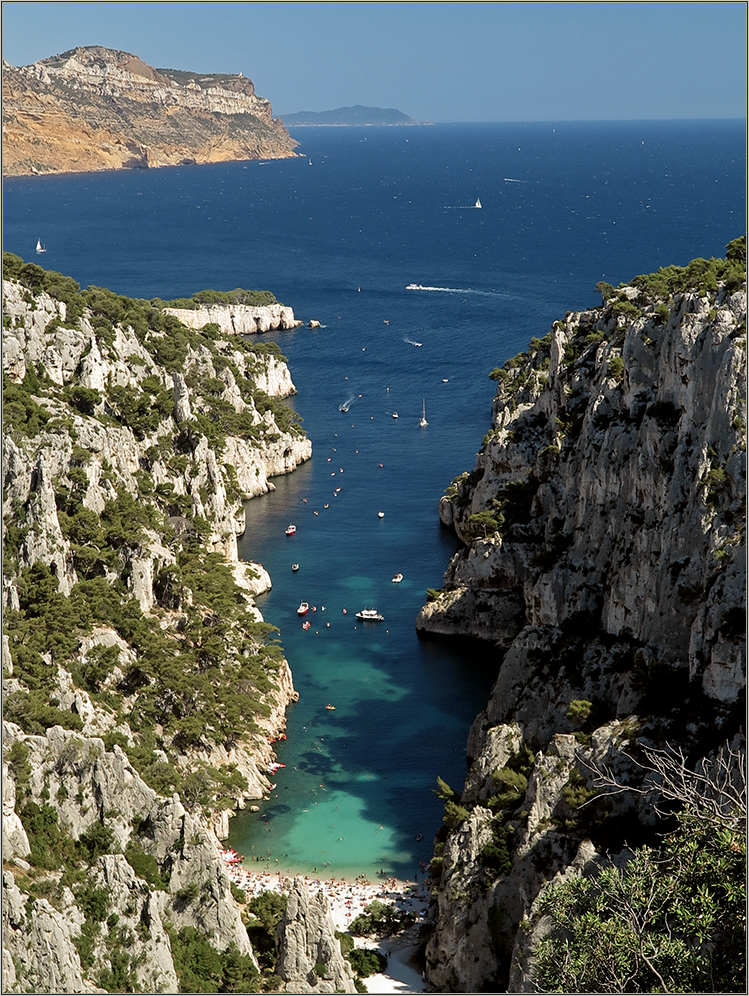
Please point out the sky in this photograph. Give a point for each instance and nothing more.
(439, 62)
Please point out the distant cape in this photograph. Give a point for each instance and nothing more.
(346, 116)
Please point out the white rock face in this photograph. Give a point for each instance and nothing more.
(88, 458)
(305, 937)
(15, 841)
(614, 574)
(238, 319)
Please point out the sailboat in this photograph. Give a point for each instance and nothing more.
(478, 203)
(423, 419)
(40, 247)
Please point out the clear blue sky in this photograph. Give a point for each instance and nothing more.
(435, 61)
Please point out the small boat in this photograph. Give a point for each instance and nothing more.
(344, 407)
(380, 515)
(303, 609)
(395, 414)
(329, 706)
(290, 529)
(370, 615)
(306, 625)
(40, 247)
(478, 203)
(295, 567)
(397, 579)
(423, 419)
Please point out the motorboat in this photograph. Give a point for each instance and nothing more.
(370, 615)
(397, 579)
(295, 567)
(306, 624)
(329, 706)
(380, 515)
(290, 529)
(395, 414)
(303, 609)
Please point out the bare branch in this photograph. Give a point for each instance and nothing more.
(716, 790)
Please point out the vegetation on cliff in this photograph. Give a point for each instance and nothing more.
(604, 532)
(132, 648)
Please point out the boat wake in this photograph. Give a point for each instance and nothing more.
(412, 343)
(454, 290)
(509, 179)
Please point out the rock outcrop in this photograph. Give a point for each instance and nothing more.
(239, 319)
(96, 788)
(94, 108)
(309, 958)
(604, 557)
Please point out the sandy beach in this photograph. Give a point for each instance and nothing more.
(347, 900)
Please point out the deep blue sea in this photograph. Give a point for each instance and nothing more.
(338, 234)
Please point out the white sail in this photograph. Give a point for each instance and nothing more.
(478, 203)
(39, 246)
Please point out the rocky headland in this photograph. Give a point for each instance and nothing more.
(347, 117)
(604, 557)
(94, 108)
(142, 689)
(238, 319)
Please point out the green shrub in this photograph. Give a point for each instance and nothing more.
(616, 368)
(144, 865)
(83, 399)
(380, 918)
(366, 962)
(346, 942)
(626, 309)
(21, 412)
(684, 906)
(579, 711)
(495, 856)
(202, 969)
(187, 894)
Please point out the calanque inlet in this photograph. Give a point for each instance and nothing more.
(603, 557)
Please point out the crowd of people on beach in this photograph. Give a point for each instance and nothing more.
(347, 899)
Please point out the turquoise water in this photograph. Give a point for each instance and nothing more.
(564, 205)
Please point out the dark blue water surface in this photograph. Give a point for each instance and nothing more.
(338, 234)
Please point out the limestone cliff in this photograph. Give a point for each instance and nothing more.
(142, 689)
(238, 319)
(309, 954)
(93, 108)
(604, 557)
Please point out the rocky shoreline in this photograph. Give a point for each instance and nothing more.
(604, 557)
(123, 503)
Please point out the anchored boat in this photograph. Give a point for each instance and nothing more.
(370, 615)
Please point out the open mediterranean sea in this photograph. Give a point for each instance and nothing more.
(339, 233)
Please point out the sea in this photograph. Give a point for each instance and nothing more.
(374, 233)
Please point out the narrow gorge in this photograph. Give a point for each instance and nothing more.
(604, 557)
